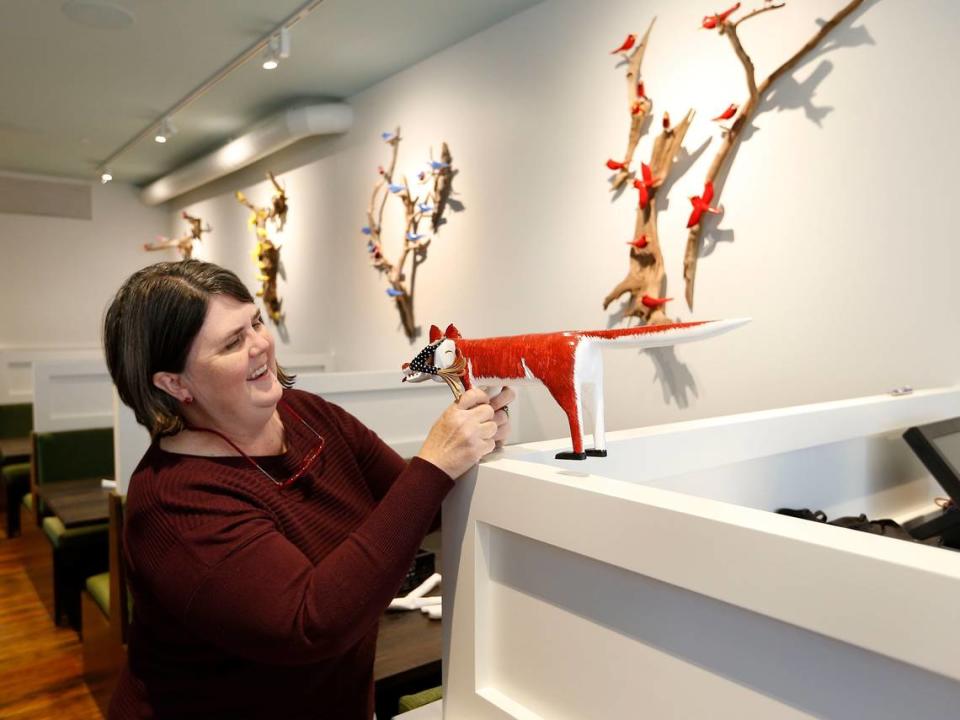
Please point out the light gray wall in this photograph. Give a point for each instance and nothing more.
(57, 275)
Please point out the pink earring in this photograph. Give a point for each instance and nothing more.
(187, 400)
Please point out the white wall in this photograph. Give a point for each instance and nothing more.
(57, 275)
(841, 252)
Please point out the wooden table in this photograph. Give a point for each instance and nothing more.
(409, 651)
(16, 449)
(77, 502)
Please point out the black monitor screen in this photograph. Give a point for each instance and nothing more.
(949, 447)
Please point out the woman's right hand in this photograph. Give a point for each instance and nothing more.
(462, 435)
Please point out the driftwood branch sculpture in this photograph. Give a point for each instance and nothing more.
(184, 243)
(432, 204)
(266, 253)
(645, 280)
(741, 115)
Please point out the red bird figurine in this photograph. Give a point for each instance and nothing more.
(644, 185)
(654, 303)
(728, 113)
(701, 205)
(712, 21)
(614, 165)
(639, 243)
(627, 44)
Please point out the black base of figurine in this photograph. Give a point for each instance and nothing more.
(596, 453)
(571, 456)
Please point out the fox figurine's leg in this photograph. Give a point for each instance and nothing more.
(588, 375)
(568, 399)
(576, 435)
(596, 404)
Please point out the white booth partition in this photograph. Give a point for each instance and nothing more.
(71, 393)
(16, 368)
(659, 583)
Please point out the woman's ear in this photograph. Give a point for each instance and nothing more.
(172, 385)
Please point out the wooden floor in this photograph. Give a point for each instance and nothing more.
(41, 666)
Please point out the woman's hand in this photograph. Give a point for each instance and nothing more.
(467, 430)
(501, 415)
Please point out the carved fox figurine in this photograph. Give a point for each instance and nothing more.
(567, 363)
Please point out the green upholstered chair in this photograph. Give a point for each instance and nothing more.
(106, 606)
(15, 479)
(15, 421)
(412, 702)
(99, 588)
(82, 551)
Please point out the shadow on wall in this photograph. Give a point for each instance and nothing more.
(674, 376)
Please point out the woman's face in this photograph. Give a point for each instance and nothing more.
(231, 370)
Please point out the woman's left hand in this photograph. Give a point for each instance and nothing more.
(501, 415)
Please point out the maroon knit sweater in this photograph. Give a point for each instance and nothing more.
(251, 602)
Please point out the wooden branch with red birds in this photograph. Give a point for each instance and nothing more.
(645, 280)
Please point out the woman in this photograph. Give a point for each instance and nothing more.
(266, 529)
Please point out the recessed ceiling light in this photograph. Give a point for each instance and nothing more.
(98, 14)
(105, 176)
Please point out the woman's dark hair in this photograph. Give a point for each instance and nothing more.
(149, 328)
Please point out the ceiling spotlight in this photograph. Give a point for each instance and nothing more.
(278, 48)
(165, 131)
(270, 60)
(105, 176)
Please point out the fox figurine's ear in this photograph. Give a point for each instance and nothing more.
(434, 333)
(452, 332)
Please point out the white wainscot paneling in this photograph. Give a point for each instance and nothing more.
(306, 363)
(658, 582)
(71, 395)
(16, 369)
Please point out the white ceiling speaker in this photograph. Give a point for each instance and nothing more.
(98, 14)
(265, 138)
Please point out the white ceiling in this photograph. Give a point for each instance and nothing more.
(73, 94)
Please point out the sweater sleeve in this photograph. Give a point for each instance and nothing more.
(379, 463)
(265, 601)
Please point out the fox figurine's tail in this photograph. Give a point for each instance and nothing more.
(653, 336)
